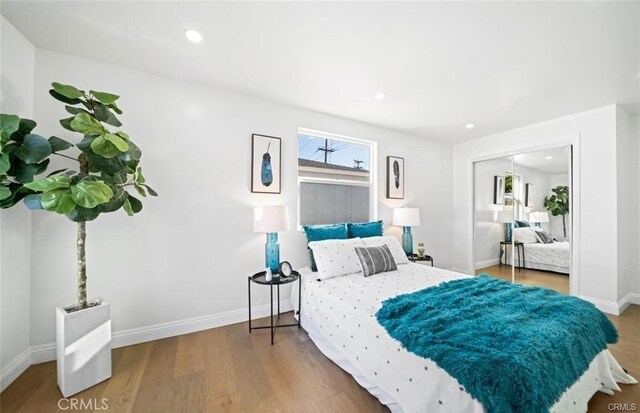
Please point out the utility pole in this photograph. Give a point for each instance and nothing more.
(326, 149)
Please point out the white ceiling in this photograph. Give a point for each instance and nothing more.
(499, 65)
(558, 164)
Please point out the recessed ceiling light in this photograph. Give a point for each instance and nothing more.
(469, 126)
(548, 157)
(380, 96)
(193, 36)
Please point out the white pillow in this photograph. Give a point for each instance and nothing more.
(336, 257)
(525, 235)
(399, 256)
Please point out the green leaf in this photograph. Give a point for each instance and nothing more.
(75, 111)
(150, 190)
(25, 128)
(89, 194)
(58, 144)
(50, 183)
(34, 149)
(119, 143)
(127, 207)
(4, 192)
(101, 146)
(57, 171)
(66, 123)
(104, 97)
(139, 177)
(32, 201)
(116, 202)
(4, 163)
(58, 200)
(63, 99)
(8, 125)
(134, 151)
(115, 108)
(87, 125)
(68, 91)
(132, 205)
(140, 189)
(83, 214)
(103, 114)
(25, 172)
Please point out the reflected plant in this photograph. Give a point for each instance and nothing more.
(107, 166)
(558, 204)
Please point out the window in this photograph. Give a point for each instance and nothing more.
(335, 179)
(513, 193)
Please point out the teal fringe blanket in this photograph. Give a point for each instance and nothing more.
(513, 348)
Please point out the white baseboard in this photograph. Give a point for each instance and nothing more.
(627, 300)
(487, 263)
(608, 307)
(15, 368)
(47, 352)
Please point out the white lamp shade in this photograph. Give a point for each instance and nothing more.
(504, 216)
(406, 217)
(270, 218)
(538, 217)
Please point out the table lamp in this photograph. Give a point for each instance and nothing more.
(271, 219)
(406, 218)
(537, 218)
(506, 217)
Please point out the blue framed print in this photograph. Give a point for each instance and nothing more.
(266, 155)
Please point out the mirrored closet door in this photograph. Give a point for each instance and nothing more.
(522, 218)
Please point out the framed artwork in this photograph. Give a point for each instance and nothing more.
(528, 195)
(266, 169)
(498, 190)
(395, 177)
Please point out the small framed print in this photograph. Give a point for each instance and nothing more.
(528, 195)
(498, 190)
(395, 177)
(266, 168)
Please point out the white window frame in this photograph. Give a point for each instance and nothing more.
(373, 156)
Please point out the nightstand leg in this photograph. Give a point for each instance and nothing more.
(272, 329)
(249, 290)
(278, 301)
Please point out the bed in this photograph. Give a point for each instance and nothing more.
(548, 257)
(553, 256)
(339, 316)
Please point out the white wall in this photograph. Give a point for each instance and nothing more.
(190, 250)
(595, 132)
(17, 69)
(627, 184)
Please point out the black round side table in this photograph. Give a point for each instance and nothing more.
(416, 258)
(260, 278)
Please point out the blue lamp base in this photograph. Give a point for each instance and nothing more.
(407, 240)
(507, 231)
(272, 253)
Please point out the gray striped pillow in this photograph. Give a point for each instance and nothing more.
(375, 259)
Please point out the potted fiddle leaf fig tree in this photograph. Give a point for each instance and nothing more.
(106, 169)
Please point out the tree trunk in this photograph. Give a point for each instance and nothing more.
(82, 266)
(83, 159)
(564, 226)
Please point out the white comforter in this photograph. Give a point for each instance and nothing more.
(551, 257)
(339, 315)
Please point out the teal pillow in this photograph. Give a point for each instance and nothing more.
(522, 224)
(364, 229)
(321, 233)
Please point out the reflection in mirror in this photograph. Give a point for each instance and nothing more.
(542, 210)
(493, 217)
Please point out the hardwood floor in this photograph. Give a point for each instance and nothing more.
(227, 369)
(555, 281)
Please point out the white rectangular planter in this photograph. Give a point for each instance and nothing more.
(83, 341)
